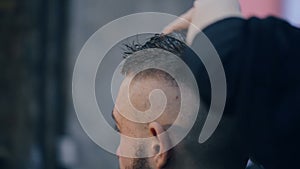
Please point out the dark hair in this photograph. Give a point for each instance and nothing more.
(171, 42)
(154, 52)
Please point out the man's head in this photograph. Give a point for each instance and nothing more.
(147, 90)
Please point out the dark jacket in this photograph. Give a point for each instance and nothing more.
(261, 59)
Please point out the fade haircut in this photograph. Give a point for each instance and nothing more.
(153, 52)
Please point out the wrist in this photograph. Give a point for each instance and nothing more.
(208, 12)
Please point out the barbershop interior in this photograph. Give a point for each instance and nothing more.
(40, 43)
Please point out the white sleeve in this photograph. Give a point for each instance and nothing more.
(208, 12)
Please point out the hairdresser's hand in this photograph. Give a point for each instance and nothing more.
(202, 14)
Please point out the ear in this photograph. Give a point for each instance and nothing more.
(159, 147)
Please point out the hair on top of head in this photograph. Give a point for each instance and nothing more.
(171, 42)
(153, 51)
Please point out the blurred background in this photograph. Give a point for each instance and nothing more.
(39, 43)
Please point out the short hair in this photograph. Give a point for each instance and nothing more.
(152, 52)
(160, 41)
